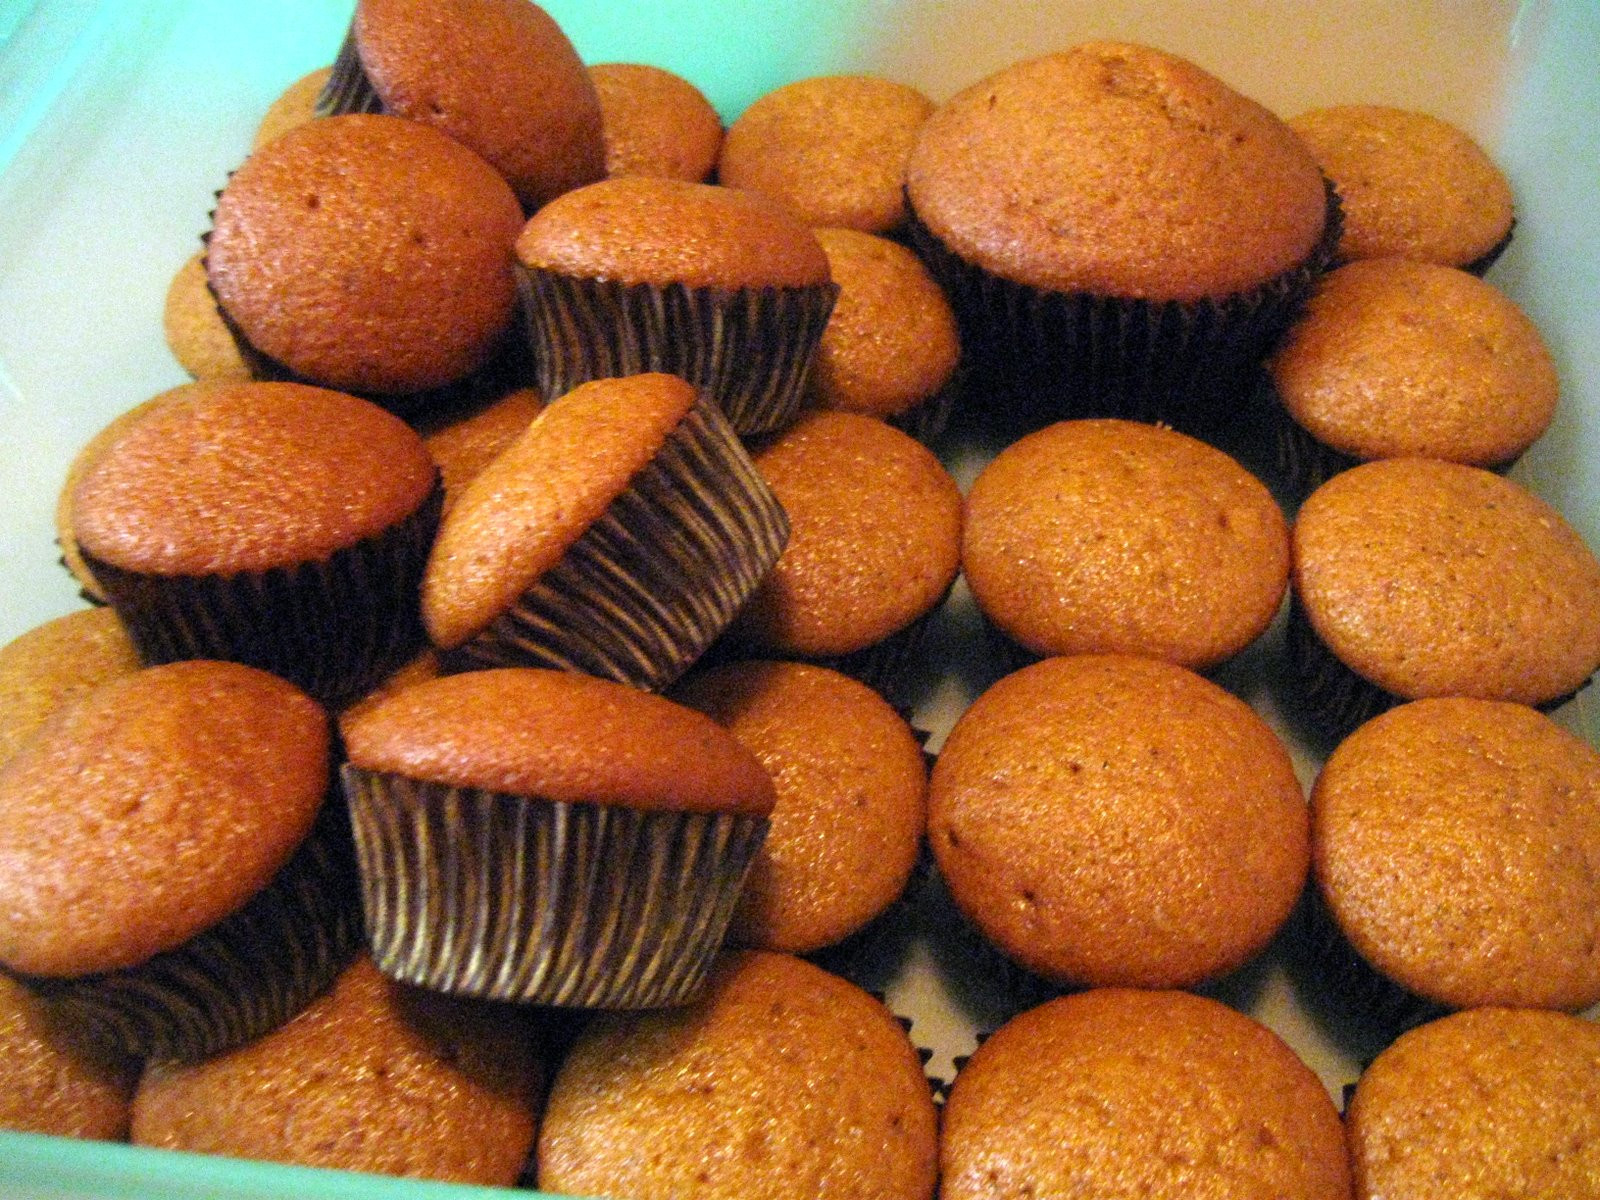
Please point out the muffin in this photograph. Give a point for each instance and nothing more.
(548, 837)
(1109, 820)
(196, 334)
(1124, 1093)
(723, 287)
(782, 1081)
(53, 665)
(1455, 844)
(51, 1084)
(617, 536)
(1111, 537)
(1410, 186)
(1121, 233)
(172, 881)
(295, 105)
(462, 446)
(372, 1076)
(852, 799)
(1395, 358)
(368, 254)
(891, 346)
(874, 546)
(273, 524)
(498, 76)
(832, 148)
(1494, 1102)
(655, 123)
(1415, 578)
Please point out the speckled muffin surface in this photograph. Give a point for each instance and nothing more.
(655, 122)
(196, 333)
(1104, 536)
(1126, 1093)
(1118, 170)
(1481, 1105)
(1429, 578)
(1110, 820)
(833, 148)
(463, 447)
(367, 253)
(1457, 845)
(295, 105)
(782, 1081)
(1410, 184)
(48, 1083)
(1394, 357)
(53, 664)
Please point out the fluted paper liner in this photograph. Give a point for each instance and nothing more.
(348, 89)
(519, 898)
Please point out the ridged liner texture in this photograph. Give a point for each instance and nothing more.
(518, 898)
(335, 628)
(240, 979)
(641, 594)
(348, 89)
(750, 348)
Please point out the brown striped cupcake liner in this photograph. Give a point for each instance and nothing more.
(537, 901)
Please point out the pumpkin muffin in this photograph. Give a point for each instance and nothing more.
(655, 123)
(372, 1076)
(171, 878)
(196, 334)
(833, 148)
(1410, 185)
(1124, 1093)
(296, 105)
(1490, 1104)
(274, 524)
(498, 76)
(1096, 537)
(782, 1082)
(1415, 578)
(54, 664)
(464, 445)
(51, 1084)
(852, 799)
(548, 837)
(723, 287)
(1109, 820)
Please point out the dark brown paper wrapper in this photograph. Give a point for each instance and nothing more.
(348, 89)
(517, 898)
(1366, 994)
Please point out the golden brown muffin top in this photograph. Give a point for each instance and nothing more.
(49, 1083)
(1410, 185)
(852, 799)
(655, 123)
(780, 1081)
(1118, 170)
(54, 664)
(561, 736)
(367, 253)
(1105, 536)
(1126, 1093)
(1479, 1105)
(463, 448)
(1434, 579)
(637, 229)
(236, 477)
(1457, 844)
(1396, 358)
(833, 148)
(372, 1076)
(891, 341)
(151, 809)
(196, 333)
(874, 536)
(499, 76)
(1110, 820)
(295, 106)
(516, 519)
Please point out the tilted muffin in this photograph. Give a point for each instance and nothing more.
(1155, 1094)
(655, 123)
(723, 287)
(54, 664)
(833, 148)
(1105, 536)
(619, 535)
(463, 445)
(498, 76)
(171, 877)
(852, 799)
(1491, 1104)
(51, 1084)
(1109, 820)
(782, 1082)
(275, 524)
(548, 837)
(295, 105)
(1410, 185)
(366, 253)
(196, 333)
(372, 1076)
